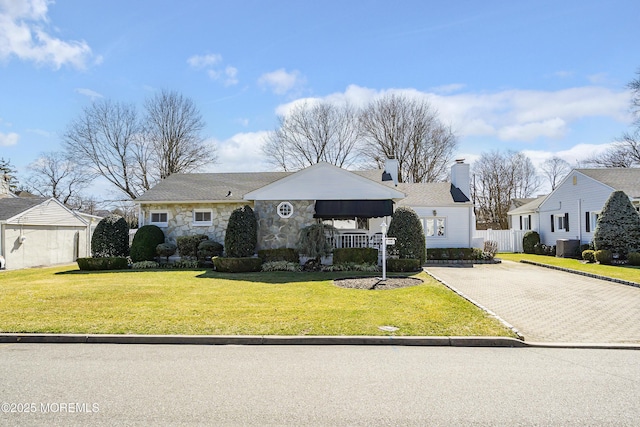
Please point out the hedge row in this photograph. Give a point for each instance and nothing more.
(454, 253)
(105, 263)
(355, 256)
(237, 265)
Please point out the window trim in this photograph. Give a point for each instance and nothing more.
(435, 223)
(160, 223)
(196, 223)
(285, 205)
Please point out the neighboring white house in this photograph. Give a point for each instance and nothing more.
(572, 209)
(355, 202)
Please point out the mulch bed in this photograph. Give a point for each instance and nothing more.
(376, 283)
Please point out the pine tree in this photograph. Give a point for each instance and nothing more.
(618, 227)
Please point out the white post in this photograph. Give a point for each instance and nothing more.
(383, 226)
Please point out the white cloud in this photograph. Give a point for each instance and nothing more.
(23, 34)
(89, 93)
(201, 61)
(281, 82)
(552, 128)
(241, 153)
(453, 87)
(212, 64)
(8, 139)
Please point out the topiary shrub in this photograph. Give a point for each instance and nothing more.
(279, 254)
(618, 227)
(207, 249)
(111, 238)
(410, 241)
(355, 256)
(314, 241)
(188, 245)
(237, 265)
(603, 256)
(634, 258)
(589, 255)
(241, 237)
(403, 265)
(166, 250)
(104, 263)
(143, 247)
(529, 242)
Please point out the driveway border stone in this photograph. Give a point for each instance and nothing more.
(581, 273)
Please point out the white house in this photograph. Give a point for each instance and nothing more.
(355, 202)
(572, 209)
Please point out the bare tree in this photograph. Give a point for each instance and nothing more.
(555, 169)
(625, 152)
(54, 174)
(408, 130)
(311, 133)
(133, 155)
(105, 138)
(499, 178)
(172, 130)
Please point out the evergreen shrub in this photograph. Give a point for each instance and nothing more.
(633, 258)
(166, 250)
(279, 254)
(188, 245)
(241, 237)
(529, 242)
(143, 247)
(618, 227)
(407, 229)
(103, 263)
(237, 265)
(355, 256)
(207, 249)
(589, 255)
(603, 256)
(111, 238)
(403, 265)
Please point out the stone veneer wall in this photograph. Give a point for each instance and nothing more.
(180, 220)
(275, 232)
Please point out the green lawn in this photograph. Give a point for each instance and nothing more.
(629, 273)
(65, 300)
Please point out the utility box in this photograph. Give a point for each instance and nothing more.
(567, 248)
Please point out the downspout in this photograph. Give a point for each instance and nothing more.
(580, 221)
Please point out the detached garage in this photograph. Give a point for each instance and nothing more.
(40, 232)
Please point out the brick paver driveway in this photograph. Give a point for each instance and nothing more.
(548, 305)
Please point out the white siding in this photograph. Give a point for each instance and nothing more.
(576, 195)
(458, 225)
(48, 213)
(43, 245)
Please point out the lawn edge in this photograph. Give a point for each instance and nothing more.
(581, 273)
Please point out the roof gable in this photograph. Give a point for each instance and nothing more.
(37, 211)
(624, 179)
(323, 181)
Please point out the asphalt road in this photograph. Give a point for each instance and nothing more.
(102, 384)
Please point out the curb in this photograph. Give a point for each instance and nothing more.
(251, 340)
(581, 273)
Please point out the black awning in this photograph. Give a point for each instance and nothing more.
(353, 208)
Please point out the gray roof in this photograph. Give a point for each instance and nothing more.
(625, 179)
(532, 206)
(14, 206)
(209, 187)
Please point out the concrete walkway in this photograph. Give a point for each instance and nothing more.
(550, 306)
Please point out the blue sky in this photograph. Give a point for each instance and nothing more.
(546, 77)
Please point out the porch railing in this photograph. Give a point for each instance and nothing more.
(356, 240)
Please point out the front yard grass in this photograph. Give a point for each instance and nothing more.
(624, 272)
(195, 302)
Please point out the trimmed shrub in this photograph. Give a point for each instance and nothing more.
(454, 253)
(618, 227)
(241, 236)
(166, 250)
(589, 255)
(355, 256)
(104, 263)
(141, 265)
(403, 265)
(603, 256)
(406, 228)
(207, 249)
(529, 241)
(281, 266)
(351, 266)
(314, 241)
(111, 238)
(633, 258)
(279, 254)
(143, 247)
(237, 265)
(183, 263)
(188, 245)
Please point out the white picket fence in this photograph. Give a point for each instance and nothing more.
(508, 240)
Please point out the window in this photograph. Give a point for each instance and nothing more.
(525, 222)
(159, 218)
(202, 217)
(434, 227)
(560, 220)
(348, 223)
(285, 210)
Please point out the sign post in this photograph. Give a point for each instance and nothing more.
(383, 227)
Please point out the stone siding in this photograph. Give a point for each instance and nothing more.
(180, 220)
(275, 232)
